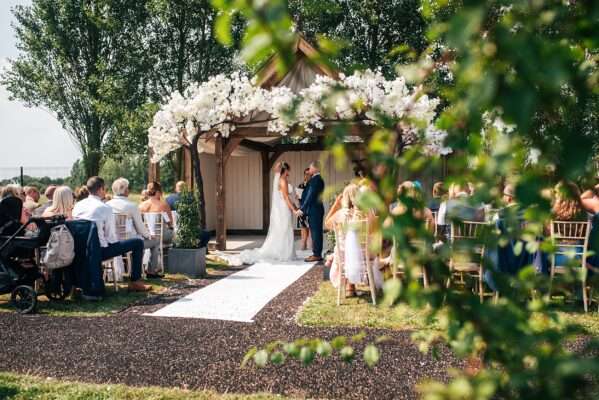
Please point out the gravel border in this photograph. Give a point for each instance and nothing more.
(205, 354)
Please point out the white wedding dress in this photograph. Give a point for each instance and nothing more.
(279, 244)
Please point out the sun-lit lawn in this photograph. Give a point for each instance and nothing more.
(321, 310)
(25, 387)
(111, 303)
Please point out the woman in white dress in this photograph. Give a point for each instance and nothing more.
(279, 244)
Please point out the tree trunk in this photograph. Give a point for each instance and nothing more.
(91, 162)
(195, 158)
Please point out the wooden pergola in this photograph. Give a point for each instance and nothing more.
(256, 137)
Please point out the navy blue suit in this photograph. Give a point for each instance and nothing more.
(311, 206)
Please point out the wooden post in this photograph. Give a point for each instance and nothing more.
(187, 168)
(153, 169)
(265, 190)
(221, 227)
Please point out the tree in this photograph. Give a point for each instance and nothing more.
(84, 61)
(183, 47)
(372, 31)
(183, 50)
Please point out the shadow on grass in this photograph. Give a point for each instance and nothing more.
(164, 291)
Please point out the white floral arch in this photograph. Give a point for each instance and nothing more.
(225, 104)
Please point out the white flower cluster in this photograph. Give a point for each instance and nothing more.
(223, 103)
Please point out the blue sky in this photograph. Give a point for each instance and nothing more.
(29, 137)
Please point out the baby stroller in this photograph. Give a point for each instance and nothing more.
(19, 256)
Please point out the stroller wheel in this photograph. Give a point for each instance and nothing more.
(24, 299)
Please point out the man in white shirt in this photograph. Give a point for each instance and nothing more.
(122, 205)
(93, 209)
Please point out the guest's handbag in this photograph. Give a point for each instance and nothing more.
(60, 251)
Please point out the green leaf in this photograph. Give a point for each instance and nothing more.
(358, 337)
(324, 348)
(292, 349)
(307, 355)
(222, 28)
(371, 355)
(347, 353)
(277, 358)
(261, 358)
(338, 342)
(248, 356)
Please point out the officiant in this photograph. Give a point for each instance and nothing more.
(302, 221)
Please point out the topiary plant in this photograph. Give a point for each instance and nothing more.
(188, 221)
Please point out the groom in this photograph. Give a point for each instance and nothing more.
(312, 207)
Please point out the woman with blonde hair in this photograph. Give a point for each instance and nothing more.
(63, 202)
(341, 212)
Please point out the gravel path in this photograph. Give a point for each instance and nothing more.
(191, 353)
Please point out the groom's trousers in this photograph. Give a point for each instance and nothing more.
(315, 221)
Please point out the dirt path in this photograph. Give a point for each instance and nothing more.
(136, 350)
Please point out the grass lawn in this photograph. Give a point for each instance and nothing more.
(112, 302)
(321, 310)
(25, 387)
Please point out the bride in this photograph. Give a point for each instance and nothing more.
(279, 244)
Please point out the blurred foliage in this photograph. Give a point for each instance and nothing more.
(520, 89)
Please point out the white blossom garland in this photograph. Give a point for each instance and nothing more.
(223, 103)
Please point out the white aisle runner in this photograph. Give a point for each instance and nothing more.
(240, 296)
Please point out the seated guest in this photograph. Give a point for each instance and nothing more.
(14, 190)
(510, 207)
(81, 193)
(408, 190)
(93, 209)
(174, 198)
(122, 205)
(341, 212)
(457, 206)
(49, 193)
(62, 204)
(438, 193)
(567, 205)
(590, 200)
(155, 204)
(32, 198)
(144, 195)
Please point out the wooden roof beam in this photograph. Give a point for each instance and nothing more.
(256, 146)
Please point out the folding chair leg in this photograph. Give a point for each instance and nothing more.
(424, 277)
(339, 289)
(585, 297)
(371, 283)
(481, 286)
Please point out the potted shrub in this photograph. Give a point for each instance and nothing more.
(186, 257)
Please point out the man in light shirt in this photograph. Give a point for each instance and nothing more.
(93, 209)
(122, 205)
